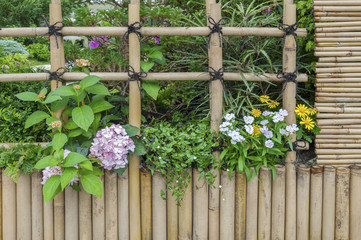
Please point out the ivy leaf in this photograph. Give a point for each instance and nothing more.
(67, 176)
(99, 106)
(43, 163)
(131, 130)
(152, 88)
(51, 187)
(59, 141)
(89, 81)
(139, 147)
(92, 184)
(83, 116)
(65, 91)
(98, 89)
(27, 96)
(73, 158)
(146, 66)
(35, 118)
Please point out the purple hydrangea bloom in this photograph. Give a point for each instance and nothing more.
(111, 146)
(94, 44)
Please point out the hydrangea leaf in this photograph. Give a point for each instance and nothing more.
(67, 176)
(120, 171)
(27, 96)
(92, 184)
(131, 130)
(146, 66)
(152, 89)
(70, 125)
(59, 141)
(52, 98)
(75, 133)
(65, 91)
(99, 106)
(139, 147)
(87, 165)
(89, 81)
(83, 116)
(73, 158)
(35, 118)
(43, 163)
(51, 188)
(98, 89)
(57, 105)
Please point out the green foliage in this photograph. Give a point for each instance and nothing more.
(39, 51)
(9, 47)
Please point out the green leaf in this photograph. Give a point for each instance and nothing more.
(146, 66)
(98, 89)
(131, 130)
(139, 147)
(76, 187)
(152, 89)
(120, 171)
(156, 55)
(43, 163)
(70, 124)
(100, 106)
(59, 141)
(83, 116)
(75, 133)
(51, 187)
(73, 158)
(67, 176)
(89, 81)
(87, 165)
(95, 125)
(65, 91)
(52, 98)
(57, 105)
(27, 96)
(92, 184)
(35, 118)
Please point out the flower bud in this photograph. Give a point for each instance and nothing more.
(76, 86)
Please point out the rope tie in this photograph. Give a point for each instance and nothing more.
(216, 75)
(288, 77)
(136, 76)
(132, 28)
(52, 30)
(216, 28)
(289, 30)
(56, 75)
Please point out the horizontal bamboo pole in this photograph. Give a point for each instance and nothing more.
(338, 80)
(327, 94)
(339, 90)
(337, 163)
(11, 145)
(341, 39)
(351, 85)
(338, 44)
(337, 8)
(337, 19)
(345, 35)
(328, 202)
(338, 151)
(342, 126)
(339, 157)
(336, 3)
(342, 203)
(338, 29)
(338, 116)
(340, 59)
(338, 137)
(336, 99)
(355, 199)
(339, 109)
(338, 24)
(344, 105)
(341, 131)
(337, 145)
(339, 65)
(149, 31)
(337, 54)
(330, 49)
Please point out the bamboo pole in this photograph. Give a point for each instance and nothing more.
(338, 75)
(338, 151)
(172, 215)
(338, 145)
(278, 203)
(252, 209)
(338, 105)
(339, 90)
(336, 141)
(338, 162)
(336, 99)
(37, 221)
(338, 44)
(159, 207)
(240, 206)
(8, 208)
(337, 54)
(123, 206)
(338, 157)
(338, 136)
(71, 214)
(348, 85)
(200, 207)
(85, 216)
(338, 39)
(146, 204)
(328, 202)
(355, 199)
(264, 204)
(338, 80)
(338, 24)
(337, 8)
(98, 215)
(340, 131)
(342, 203)
(344, 95)
(23, 207)
(336, 3)
(227, 206)
(338, 70)
(111, 205)
(48, 220)
(338, 115)
(303, 202)
(338, 29)
(59, 216)
(330, 65)
(337, 14)
(338, 122)
(134, 119)
(316, 203)
(185, 213)
(337, 19)
(339, 109)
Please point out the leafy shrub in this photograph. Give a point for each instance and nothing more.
(15, 63)
(39, 51)
(11, 47)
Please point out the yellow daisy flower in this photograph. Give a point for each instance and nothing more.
(256, 130)
(312, 111)
(273, 104)
(256, 112)
(264, 99)
(302, 110)
(308, 122)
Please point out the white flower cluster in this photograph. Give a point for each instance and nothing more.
(226, 128)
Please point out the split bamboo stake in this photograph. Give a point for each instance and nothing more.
(134, 119)
(338, 162)
(342, 203)
(316, 203)
(328, 202)
(278, 203)
(23, 208)
(200, 207)
(85, 215)
(185, 213)
(227, 206)
(172, 215)
(264, 204)
(240, 206)
(252, 209)
(111, 205)
(98, 215)
(123, 206)
(8, 208)
(303, 202)
(337, 8)
(146, 203)
(37, 229)
(71, 213)
(337, 19)
(159, 207)
(48, 219)
(59, 216)
(355, 199)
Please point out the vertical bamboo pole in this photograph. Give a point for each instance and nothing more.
(134, 119)
(264, 203)
(146, 204)
(172, 216)
(123, 206)
(185, 213)
(216, 103)
(159, 207)
(71, 214)
(48, 208)
(37, 230)
(278, 203)
(316, 203)
(303, 202)
(328, 202)
(200, 207)
(85, 216)
(342, 203)
(98, 215)
(9, 208)
(252, 209)
(23, 207)
(111, 205)
(355, 200)
(240, 206)
(1, 206)
(227, 213)
(59, 216)
(289, 103)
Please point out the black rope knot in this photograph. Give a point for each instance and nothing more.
(56, 75)
(216, 28)
(216, 75)
(53, 30)
(136, 76)
(132, 28)
(289, 30)
(288, 77)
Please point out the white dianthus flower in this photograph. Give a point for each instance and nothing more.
(283, 131)
(229, 117)
(268, 134)
(269, 144)
(277, 118)
(249, 129)
(248, 119)
(283, 112)
(267, 113)
(264, 129)
(264, 122)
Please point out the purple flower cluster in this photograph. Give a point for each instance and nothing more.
(267, 10)
(97, 41)
(111, 147)
(156, 39)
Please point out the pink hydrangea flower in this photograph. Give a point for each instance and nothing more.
(111, 146)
